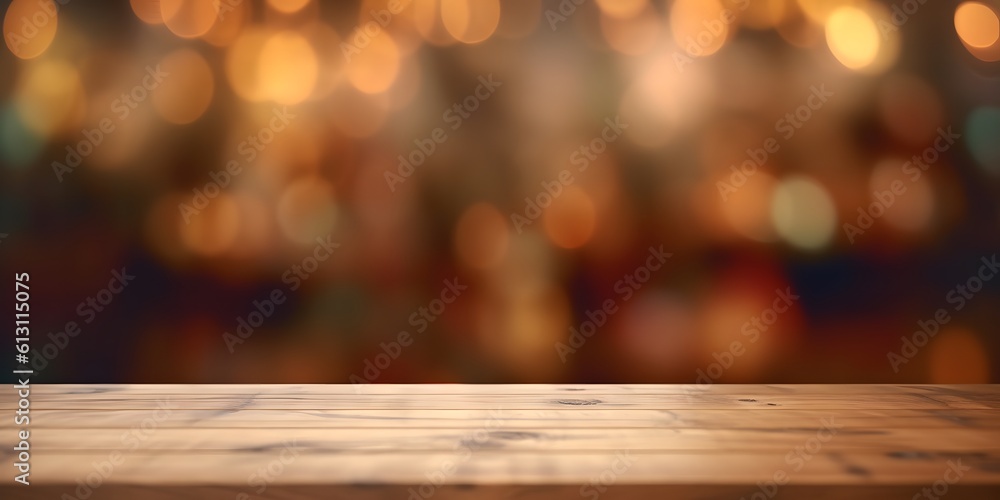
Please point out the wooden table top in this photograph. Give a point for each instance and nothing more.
(413, 442)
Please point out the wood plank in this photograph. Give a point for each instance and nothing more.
(506, 401)
(383, 491)
(485, 466)
(556, 417)
(522, 439)
(480, 389)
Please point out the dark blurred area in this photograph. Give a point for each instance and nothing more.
(507, 192)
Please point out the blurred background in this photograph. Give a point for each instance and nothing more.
(350, 158)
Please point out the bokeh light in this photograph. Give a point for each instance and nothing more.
(470, 21)
(214, 230)
(571, 219)
(688, 20)
(19, 146)
(427, 17)
(189, 18)
(244, 70)
(186, 94)
(977, 24)
(660, 102)
(798, 29)
(820, 11)
(232, 17)
(288, 68)
(622, 9)
(375, 68)
(982, 129)
(803, 213)
(631, 35)
(287, 6)
(29, 27)
(853, 37)
(148, 11)
(50, 96)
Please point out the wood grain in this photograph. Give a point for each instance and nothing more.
(507, 441)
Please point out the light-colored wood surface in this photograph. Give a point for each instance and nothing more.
(506, 441)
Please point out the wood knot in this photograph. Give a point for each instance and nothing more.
(579, 402)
